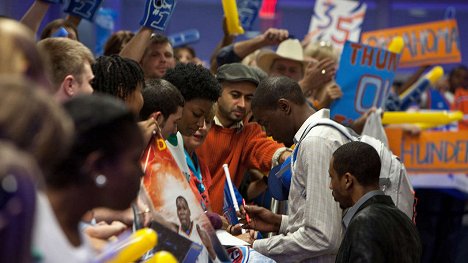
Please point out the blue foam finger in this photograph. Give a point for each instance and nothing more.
(184, 37)
(157, 14)
(85, 9)
(248, 12)
(61, 32)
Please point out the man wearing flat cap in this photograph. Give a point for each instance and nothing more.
(242, 146)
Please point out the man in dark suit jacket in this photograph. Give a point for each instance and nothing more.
(376, 230)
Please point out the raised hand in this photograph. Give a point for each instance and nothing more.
(332, 92)
(149, 127)
(274, 36)
(316, 75)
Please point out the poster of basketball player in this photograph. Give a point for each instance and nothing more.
(171, 197)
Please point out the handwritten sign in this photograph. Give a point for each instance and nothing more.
(431, 151)
(365, 76)
(336, 21)
(425, 44)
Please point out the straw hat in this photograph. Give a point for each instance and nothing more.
(288, 49)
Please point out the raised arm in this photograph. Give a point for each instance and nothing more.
(155, 18)
(240, 50)
(35, 15)
(271, 37)
(225, 41)
(135, 48)
(412, 79)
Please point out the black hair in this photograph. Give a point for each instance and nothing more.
(359, 159)
(272, 89)
(160, 95)
(181, 198)
(194, 82)
(117, 76)
(102, 123)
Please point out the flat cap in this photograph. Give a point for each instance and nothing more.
(237, 72)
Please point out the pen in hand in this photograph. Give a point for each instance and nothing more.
(247, 218)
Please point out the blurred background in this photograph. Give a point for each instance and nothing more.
(294, 15)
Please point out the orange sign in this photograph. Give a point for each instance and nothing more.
(432, 151)
(425, 44)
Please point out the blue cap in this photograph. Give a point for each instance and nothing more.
(279, 180)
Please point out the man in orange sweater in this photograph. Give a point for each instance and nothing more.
(241, 145)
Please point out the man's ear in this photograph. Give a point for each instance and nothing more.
(68, 86)
(348, 180)
(284, 106)
(158, 117)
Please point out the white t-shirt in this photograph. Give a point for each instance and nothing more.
(178, 153)
(51, 242)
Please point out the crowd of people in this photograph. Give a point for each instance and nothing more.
(73, 128)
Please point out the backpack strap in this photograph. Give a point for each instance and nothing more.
(323, 122)
(342, 129)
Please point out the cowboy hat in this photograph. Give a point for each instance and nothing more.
(288, 49)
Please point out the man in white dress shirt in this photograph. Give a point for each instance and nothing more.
(312, 231)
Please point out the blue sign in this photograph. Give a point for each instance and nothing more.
(365, 76)
(157, 14)
(248, 12)
(83, 8)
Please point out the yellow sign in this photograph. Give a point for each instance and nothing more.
(425, 44)
(435, 152)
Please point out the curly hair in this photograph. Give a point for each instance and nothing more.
(194, 82)
(117, 76)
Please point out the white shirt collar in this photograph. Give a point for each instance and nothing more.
(236, 125)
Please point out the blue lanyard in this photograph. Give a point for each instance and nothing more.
(194, 166)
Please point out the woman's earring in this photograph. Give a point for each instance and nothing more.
(101, 180)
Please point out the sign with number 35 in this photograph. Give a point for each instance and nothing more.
(336, 21)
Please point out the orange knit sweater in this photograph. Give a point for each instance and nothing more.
(241, 149)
